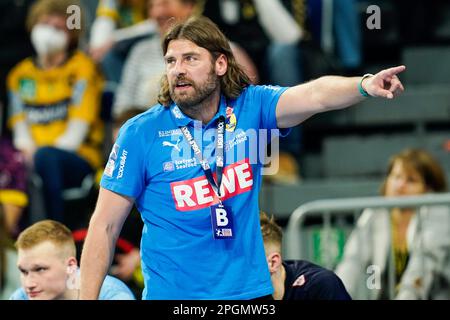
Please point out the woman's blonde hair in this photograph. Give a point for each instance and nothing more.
(205, 33)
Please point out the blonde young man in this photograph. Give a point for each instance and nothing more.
(297, 279)
(48, 267)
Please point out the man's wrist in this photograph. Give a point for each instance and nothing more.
(361, 89)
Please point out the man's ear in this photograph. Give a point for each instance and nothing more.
(72, 281)
(72, 265)
(274, 262)
(221, 65)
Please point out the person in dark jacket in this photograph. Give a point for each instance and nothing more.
(297, 279)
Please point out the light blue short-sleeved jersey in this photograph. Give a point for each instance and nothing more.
(112, 289)
(152, 162)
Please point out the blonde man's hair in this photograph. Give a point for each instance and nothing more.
(271, 231)
(57, 7)
(47, 230)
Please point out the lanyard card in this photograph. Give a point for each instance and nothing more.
(222, 221)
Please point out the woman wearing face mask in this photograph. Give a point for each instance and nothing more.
(54, 101)
(420, 249)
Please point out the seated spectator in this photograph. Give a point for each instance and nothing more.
(417, 241)
(49, 269)
(54, 101)
(9, 275)
(297, 279)
(13, 196)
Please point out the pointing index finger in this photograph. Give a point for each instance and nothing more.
(395, 70)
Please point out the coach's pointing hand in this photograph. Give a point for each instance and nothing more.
(385, 83)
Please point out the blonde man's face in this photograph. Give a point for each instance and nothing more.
(44, 271)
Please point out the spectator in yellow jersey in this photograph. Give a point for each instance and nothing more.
(54, 101)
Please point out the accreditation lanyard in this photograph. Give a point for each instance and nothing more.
(220, 140)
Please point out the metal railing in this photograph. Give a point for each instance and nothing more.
(329, 207)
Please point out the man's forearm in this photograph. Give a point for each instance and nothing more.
(327, 93)
(96, 258)
(335, 92)
(323, 94)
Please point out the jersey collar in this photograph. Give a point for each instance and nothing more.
(181, 119)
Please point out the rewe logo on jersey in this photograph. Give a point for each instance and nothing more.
(197, 193)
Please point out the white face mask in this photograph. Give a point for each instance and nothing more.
(48, 40)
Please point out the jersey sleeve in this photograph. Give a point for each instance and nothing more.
(266, 98)
(125, 170)
(114, 289)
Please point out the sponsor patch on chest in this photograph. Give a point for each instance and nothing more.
(197, 193)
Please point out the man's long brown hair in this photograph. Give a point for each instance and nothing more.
(204, 33)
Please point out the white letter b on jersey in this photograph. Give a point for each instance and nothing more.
(221, 217)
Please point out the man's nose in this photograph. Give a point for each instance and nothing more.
(29, 282)
(179, 68)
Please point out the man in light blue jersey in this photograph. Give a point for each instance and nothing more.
(48, 267)
(192, 166)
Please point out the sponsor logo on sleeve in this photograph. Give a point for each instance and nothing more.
(300, 281)
(114, 152)
(123, 159)
(109, 169)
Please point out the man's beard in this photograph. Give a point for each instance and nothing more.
(201, 92)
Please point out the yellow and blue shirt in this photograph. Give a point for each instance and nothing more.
(48, 99)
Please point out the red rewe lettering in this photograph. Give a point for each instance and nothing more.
(197, 193)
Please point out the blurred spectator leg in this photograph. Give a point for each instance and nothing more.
(13, 213)
(284, 61)
(285, 69)
(347, 31)
(58, 170)
(112, 65)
